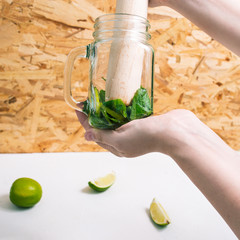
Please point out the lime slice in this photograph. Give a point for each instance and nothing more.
(25, 192)
(101, 184)
(158, 213)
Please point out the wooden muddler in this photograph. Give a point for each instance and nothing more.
(126, 58)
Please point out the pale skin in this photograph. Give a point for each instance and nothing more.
(218, 18)
(206, 159)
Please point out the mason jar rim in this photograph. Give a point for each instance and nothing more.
(105, 17)
(105, 24)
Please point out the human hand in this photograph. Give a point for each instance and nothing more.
(132, 139)
(165, 133)
(209, 162)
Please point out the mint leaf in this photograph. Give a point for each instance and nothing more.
(141, 105)
(114, 113)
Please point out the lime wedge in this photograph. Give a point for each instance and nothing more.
(158, 213)
(101, 184)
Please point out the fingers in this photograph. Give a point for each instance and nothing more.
(89, 136)
(102, 136)
(83, 119)
(99, 136)
(106, 138)
(111, 149)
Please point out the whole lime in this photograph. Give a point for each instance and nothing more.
(25, 192)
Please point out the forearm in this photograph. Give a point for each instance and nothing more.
(215, 169)
(207, 160)
(219, 18)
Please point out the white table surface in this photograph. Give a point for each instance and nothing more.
(70, 210)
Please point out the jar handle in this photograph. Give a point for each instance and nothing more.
(79, 52)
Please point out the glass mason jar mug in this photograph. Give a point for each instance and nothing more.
(121, 72)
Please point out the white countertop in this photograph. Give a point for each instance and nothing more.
(70, 210)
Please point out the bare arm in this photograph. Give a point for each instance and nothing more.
(219, 18)
(208, 161)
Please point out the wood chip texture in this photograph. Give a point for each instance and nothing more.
(192, 71)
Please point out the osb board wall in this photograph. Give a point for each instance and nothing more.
(192, 71)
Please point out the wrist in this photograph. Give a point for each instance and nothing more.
(198, 145)
(170, 133)
(179, 132)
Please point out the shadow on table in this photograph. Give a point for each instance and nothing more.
(88, 190)
(6, 204)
